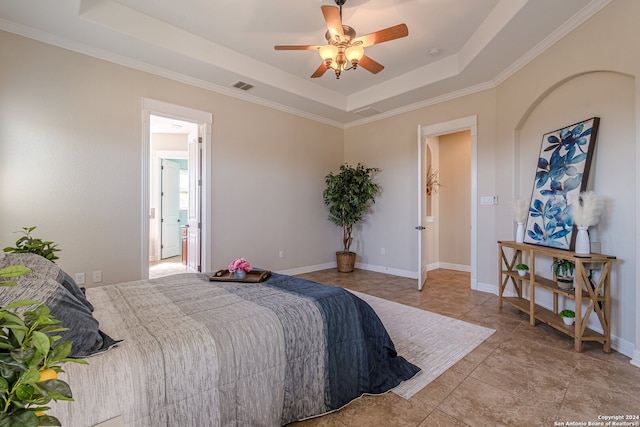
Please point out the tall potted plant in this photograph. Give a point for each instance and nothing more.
(348, 195)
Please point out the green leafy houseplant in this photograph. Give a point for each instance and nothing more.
(522, 269)
(568, 313)
(563, 270)
(348, 195)
(29, 364)
(568, 316)
(30, 244)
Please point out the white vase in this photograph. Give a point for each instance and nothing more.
(520, 232)
(582, 241)
(568, 320)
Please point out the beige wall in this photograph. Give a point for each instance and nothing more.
(542, 98)
(454, 216)
(70, 163)
(391, 144)
(554, 90)
(70, 160)
(609, 96)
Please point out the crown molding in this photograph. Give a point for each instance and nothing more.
(587, 12)
(578, 19)
(101, 54)
(422, 104)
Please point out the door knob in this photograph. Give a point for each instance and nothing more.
(420, 228)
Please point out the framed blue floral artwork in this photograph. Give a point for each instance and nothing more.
(563, 169)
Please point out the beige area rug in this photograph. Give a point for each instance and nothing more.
(428, 340)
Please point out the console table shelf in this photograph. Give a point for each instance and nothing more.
(596, 295)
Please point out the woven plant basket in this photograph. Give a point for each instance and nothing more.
(346, 262)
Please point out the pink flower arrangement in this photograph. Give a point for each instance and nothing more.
(239, 264)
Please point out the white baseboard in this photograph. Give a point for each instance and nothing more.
(308, 269)
(493, 289)
(635, 360)
(455, 267)
(387, 270)
(433, 266)
(376, 268)
(625, 347)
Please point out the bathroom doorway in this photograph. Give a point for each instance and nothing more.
(182, 136)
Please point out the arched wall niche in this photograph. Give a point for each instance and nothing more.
(611, 96)
(569, 101)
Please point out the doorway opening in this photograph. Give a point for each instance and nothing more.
(176, 170)
(447, 153)
(169, 195)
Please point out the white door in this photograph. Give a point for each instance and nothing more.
(195, 191)
(421, 227)
(170, 209)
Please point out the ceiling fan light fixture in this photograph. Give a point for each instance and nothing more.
(344, 51)
(328, 52)
(338, 63)
(354, 54)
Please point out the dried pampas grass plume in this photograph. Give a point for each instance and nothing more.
(586, 208)
(520, 210)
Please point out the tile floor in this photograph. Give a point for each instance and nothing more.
(166, 267)
(520, 376)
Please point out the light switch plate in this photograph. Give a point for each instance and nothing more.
(488, 200)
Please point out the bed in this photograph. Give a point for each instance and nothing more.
(208, 353)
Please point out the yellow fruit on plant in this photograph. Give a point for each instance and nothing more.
(47, 374)
(39, 413)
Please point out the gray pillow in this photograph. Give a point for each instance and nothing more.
(83, 332)
(40, 266)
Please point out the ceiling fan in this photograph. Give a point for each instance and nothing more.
(345, 51)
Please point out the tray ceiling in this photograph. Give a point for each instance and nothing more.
(453, 47)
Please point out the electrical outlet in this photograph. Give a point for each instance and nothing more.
(97, 276)
(382, 251)
(281, 253)
(79, 278)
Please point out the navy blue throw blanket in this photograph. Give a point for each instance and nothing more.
(361, 357)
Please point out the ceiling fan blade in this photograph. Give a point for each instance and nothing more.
(334, 22)
(391, 33)
(370, 65)
(320, 71)
(297, 47)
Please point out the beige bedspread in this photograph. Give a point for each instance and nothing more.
(198, 353)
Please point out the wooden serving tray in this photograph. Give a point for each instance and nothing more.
(254, 276)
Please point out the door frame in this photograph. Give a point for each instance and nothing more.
(204, 119)
(465, 123)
